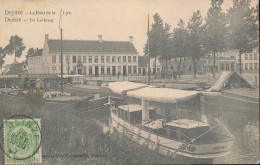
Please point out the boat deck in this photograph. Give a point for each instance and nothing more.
(181, 135)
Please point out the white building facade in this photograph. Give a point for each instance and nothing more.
(85, 57)
(249, 61)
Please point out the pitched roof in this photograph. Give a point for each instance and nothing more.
(143, 61)
(15, 71)
(86, 46)
(16, 64)
(38, 52)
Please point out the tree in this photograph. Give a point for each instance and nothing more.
(242, 28)
(257, 19)
(166, 54)
(2, 56)
(179, 41)
(195, 39)
(29, 53)
(15, 46)
(215, 30)
(156, 38)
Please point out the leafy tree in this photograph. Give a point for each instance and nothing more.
(256, 11)
(166, 54)
(179, 41)
(15, 46)
(242, 28)
(195, 39)
(29, 53)
(2, 56)
(215, 29)
(157, 38)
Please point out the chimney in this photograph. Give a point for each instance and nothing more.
(46, 36)
(100, 38)
(131, 39)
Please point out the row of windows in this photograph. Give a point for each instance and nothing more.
(228, 66)
(83, 59)
(250, 56)
(249, 66)
(35, 60)
(109, 69)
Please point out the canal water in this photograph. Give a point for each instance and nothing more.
(242, 122)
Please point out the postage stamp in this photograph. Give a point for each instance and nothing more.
(22, 141)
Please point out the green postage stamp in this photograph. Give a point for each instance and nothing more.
(22, 140)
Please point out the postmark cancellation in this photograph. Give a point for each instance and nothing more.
(22, 141)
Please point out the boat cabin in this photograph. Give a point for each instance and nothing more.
(133, 113)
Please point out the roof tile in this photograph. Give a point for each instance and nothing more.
(86, 46)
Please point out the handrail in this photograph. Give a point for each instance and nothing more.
(178, 131)
(154, 132)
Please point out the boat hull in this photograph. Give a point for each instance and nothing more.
(168, 146)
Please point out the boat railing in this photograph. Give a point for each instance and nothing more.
(170, 134)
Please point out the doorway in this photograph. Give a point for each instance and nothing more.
(96, 71)
(79, 71)
(124, 70)
(113, 70)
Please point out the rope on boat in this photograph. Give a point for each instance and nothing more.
(213, 131)
(205, 132)
(69, 105)
(164, 129)
(185, 144)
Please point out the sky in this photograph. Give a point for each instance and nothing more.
(115, 20)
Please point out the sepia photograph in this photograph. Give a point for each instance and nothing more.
(129, 82)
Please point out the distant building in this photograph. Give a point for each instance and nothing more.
(85, 57)
(143, 65)
(158, 65)
(184, 65)
(16, 68)
(249, 61)
(224, 61)
(227, 60)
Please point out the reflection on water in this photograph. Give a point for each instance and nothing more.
(244, 125)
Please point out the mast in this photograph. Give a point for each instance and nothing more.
(61, 53)
(148, 52)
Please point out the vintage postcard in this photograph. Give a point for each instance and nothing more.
(129, 82)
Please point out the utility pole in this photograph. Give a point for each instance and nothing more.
(61, 58)
(61, 53)
(214, 63)
(240, 61)
(148, 52)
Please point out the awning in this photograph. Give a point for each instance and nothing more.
(213, 94)
(165, 95)
(225, 76)
(122, 87)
